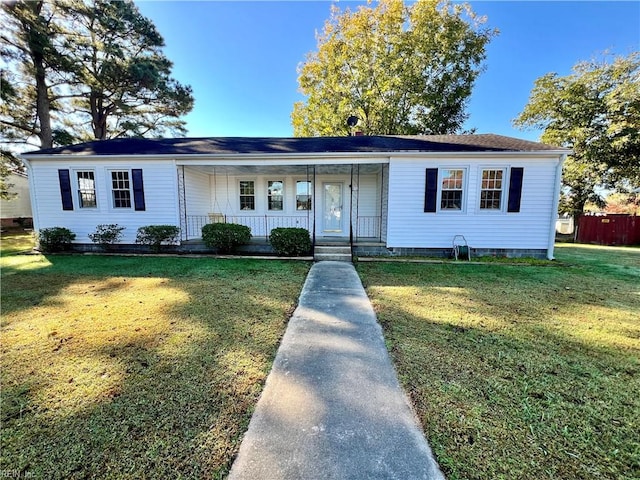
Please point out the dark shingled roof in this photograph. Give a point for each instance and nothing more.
(275, 145)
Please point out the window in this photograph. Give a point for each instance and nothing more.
(121, 189)
(86, 189)
(275, 196)
(491, 190)
(303, 195)
(451, 192)
(247, 195)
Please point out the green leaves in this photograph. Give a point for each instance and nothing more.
(86, 69)
(595, 111)
(401, 70)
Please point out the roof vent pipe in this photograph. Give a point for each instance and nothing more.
(352, 121)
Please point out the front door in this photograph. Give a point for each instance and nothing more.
(332, 213)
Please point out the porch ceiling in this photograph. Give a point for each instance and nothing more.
(302, 170)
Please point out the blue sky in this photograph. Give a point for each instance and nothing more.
(241, 57)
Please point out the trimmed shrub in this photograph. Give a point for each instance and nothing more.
(55, 239)
(156, 235)
(290, 242)
(225, 236)
(107, 234)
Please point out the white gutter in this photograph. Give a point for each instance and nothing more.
(314, 158)
(554, 209)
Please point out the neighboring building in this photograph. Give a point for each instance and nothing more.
(17, 210)
(392, 194)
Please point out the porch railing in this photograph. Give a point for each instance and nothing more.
(260, 225)
(368, 227)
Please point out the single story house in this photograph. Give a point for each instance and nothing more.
(382, 194)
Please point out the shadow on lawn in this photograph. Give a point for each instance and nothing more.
(518, 372)
(497, 406)
(168, 395)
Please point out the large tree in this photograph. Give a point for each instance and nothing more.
(595, 111)
(31, 58)
(86, 69)
(122, 79)
(399, 69)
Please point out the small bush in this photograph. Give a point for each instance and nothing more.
(156, 235)
(55, 239)
(107, 235)
(290, 242)
(225, 236)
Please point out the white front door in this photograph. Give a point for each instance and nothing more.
(332, 213)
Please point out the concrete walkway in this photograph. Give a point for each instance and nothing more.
(332, 407)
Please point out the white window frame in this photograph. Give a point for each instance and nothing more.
(464, 190)
(503, 190)
(77, 186)
(282, 196)
(112, 203)
(240, 194)
(311, 193)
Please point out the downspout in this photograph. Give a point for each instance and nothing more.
(554, 210)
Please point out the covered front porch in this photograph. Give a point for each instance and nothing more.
(334, 202)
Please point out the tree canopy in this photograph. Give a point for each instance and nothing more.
(78, 70)
(399, 69)
(595, 111)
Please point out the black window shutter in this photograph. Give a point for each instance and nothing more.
(138, 189)
(65, 189)
(431, 190)
(515, 189)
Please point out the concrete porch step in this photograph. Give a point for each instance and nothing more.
(341, 249)
(338, 253)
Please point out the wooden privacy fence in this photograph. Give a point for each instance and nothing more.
(609, 229)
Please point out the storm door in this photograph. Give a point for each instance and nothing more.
(332, 213)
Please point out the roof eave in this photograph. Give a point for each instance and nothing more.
(372, 157)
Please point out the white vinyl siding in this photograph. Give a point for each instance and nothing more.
(368, 197)
(409, 226)
(197, 188)
(160, 191)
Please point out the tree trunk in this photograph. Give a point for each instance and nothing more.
(43, 104)
(98, 116)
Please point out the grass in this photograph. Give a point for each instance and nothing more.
(132, 367)
(524, 372)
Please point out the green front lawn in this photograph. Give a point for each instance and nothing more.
(520, 372)
(134, 367)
